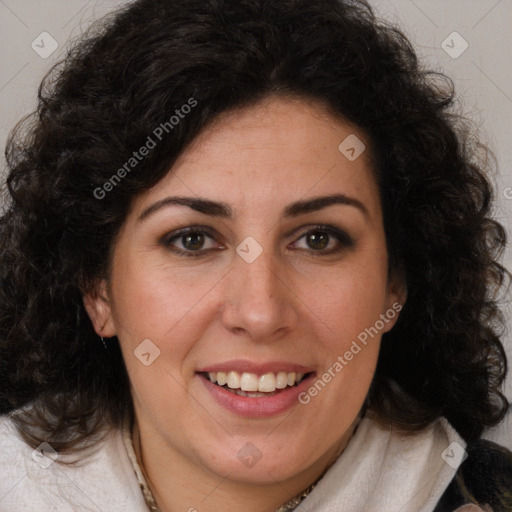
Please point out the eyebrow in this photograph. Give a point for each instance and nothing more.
(223, 210)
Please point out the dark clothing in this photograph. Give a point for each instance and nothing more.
(484, 478)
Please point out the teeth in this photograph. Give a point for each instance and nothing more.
(267, 383)
(251, 382)
(233, 380)
(281, 380)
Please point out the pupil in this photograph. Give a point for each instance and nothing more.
(194, 241)
(318, 240)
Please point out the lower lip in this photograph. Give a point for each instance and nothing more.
(258, 407)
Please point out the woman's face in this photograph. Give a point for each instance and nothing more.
(272, 280)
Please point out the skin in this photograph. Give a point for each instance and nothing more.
(290, 304)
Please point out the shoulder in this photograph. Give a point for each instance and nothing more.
(384, 469)
(40, 479)
(483, 479)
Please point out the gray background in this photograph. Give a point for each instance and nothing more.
(482, 73)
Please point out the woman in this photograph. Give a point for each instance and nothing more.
(248, 264)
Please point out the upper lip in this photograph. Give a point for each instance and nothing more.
(244, 366)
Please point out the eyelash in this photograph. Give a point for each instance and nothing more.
(345, 240)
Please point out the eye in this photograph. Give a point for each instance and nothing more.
(323, 240)
(190, 242)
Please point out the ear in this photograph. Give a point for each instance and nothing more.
(396, 296)
(98, 307)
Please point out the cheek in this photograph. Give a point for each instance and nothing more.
(170, 308)
(152, 300)
(345, 318)
(346, 304)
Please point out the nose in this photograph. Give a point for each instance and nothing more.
(260, 302)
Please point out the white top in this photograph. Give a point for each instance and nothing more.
(378, 471)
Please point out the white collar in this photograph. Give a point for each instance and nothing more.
(383, 471)
(379, 470)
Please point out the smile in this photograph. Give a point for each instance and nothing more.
(252, 384)
(260, 393)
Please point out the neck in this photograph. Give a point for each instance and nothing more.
(177, 484)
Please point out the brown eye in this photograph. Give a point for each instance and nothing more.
(323, 240)
(317, 240)
(193, 242)
(190, 242)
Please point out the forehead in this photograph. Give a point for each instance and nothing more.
(274, 152)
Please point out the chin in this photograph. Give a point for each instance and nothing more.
(250, 465)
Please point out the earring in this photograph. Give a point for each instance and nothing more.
(103, 341)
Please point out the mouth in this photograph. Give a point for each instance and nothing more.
(253, 389)
(255, 385)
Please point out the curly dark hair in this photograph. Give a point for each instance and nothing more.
(128, 75)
